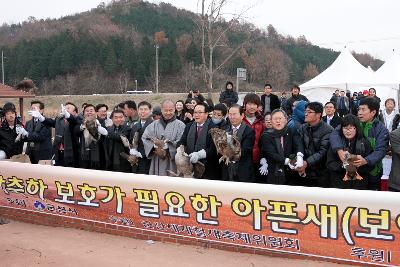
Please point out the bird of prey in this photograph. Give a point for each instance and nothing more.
(184, 167)
(227, 145)
(133, 160)
(90, 131)
(351, 169)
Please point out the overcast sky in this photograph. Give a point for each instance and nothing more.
(363, 25)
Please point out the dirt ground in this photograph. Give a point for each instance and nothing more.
(34, 245)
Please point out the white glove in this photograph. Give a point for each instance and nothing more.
(98, 123)
(264, 167)
(36, 114)
(102, 130)
(299, 160)
(108, 123)
(64, 112)
(20, 130)
(229, 138)
(136, 153)
(196, 156)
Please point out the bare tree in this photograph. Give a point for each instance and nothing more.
(123, 82)
(213, 29)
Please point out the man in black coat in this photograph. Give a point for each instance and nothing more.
(331, 118)
(218, 116)
(37, 135)
(114, 145)
(228, 97)
(242, 171)
(9, 146)
(65, 144)
(315, 136)
(296, 96)
(89, 152)
(269, 101)
(145, 118)
(198, 142)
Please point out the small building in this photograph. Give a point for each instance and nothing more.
(10, 92)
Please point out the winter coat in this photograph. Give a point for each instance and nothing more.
(276, 154)
(7, 140)
(258, 126)
(274, 103)
(39, 141)
(228, 97)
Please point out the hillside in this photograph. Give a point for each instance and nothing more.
(106, 49)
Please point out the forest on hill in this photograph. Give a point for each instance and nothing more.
(107, 49)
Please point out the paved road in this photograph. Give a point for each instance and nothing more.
(34, 245)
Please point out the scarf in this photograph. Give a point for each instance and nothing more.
(366, 127)
(278, 133)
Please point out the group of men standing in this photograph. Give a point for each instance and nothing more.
(92, 140)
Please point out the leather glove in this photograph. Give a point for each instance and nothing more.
(64, 112)
(264, 167)
(36, 114)
(136, 153)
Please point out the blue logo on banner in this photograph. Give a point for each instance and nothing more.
(39, 205)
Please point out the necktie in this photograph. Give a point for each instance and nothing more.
(199, 128)
(234, 130)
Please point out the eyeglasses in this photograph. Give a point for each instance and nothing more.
(198, 112)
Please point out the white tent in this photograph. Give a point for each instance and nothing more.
(345, 73)
(388, 75)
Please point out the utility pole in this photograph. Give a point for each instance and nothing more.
(2, 65)
(157, 68)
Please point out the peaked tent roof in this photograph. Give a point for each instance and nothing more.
(389, 72)
(344, 71)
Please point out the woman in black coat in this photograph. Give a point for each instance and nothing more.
(281, 151)
(356, 144)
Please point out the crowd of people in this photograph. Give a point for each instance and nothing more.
(284, 140)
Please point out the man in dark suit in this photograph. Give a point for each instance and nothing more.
(145, 118)
(331, 117)
(198, 142)
(269, 101)
(37, 135)
(243, 170)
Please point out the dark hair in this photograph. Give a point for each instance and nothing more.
(144, 103)
(241, 110)
(351, 120)
(72, 104)
(372, 89)
(228, 82)
(99, 106)
(268, 84)
(329, 102)
(252, 98)
(315, 106)
(188, 100)
(9, 107)
(116, 111)
(88, 106)
(295, 86)
(222, 108)
(390, 99)
(131, 104)
(84, 104)
(206, 107)
(120, 106)
(41, 105)
(371, 103)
